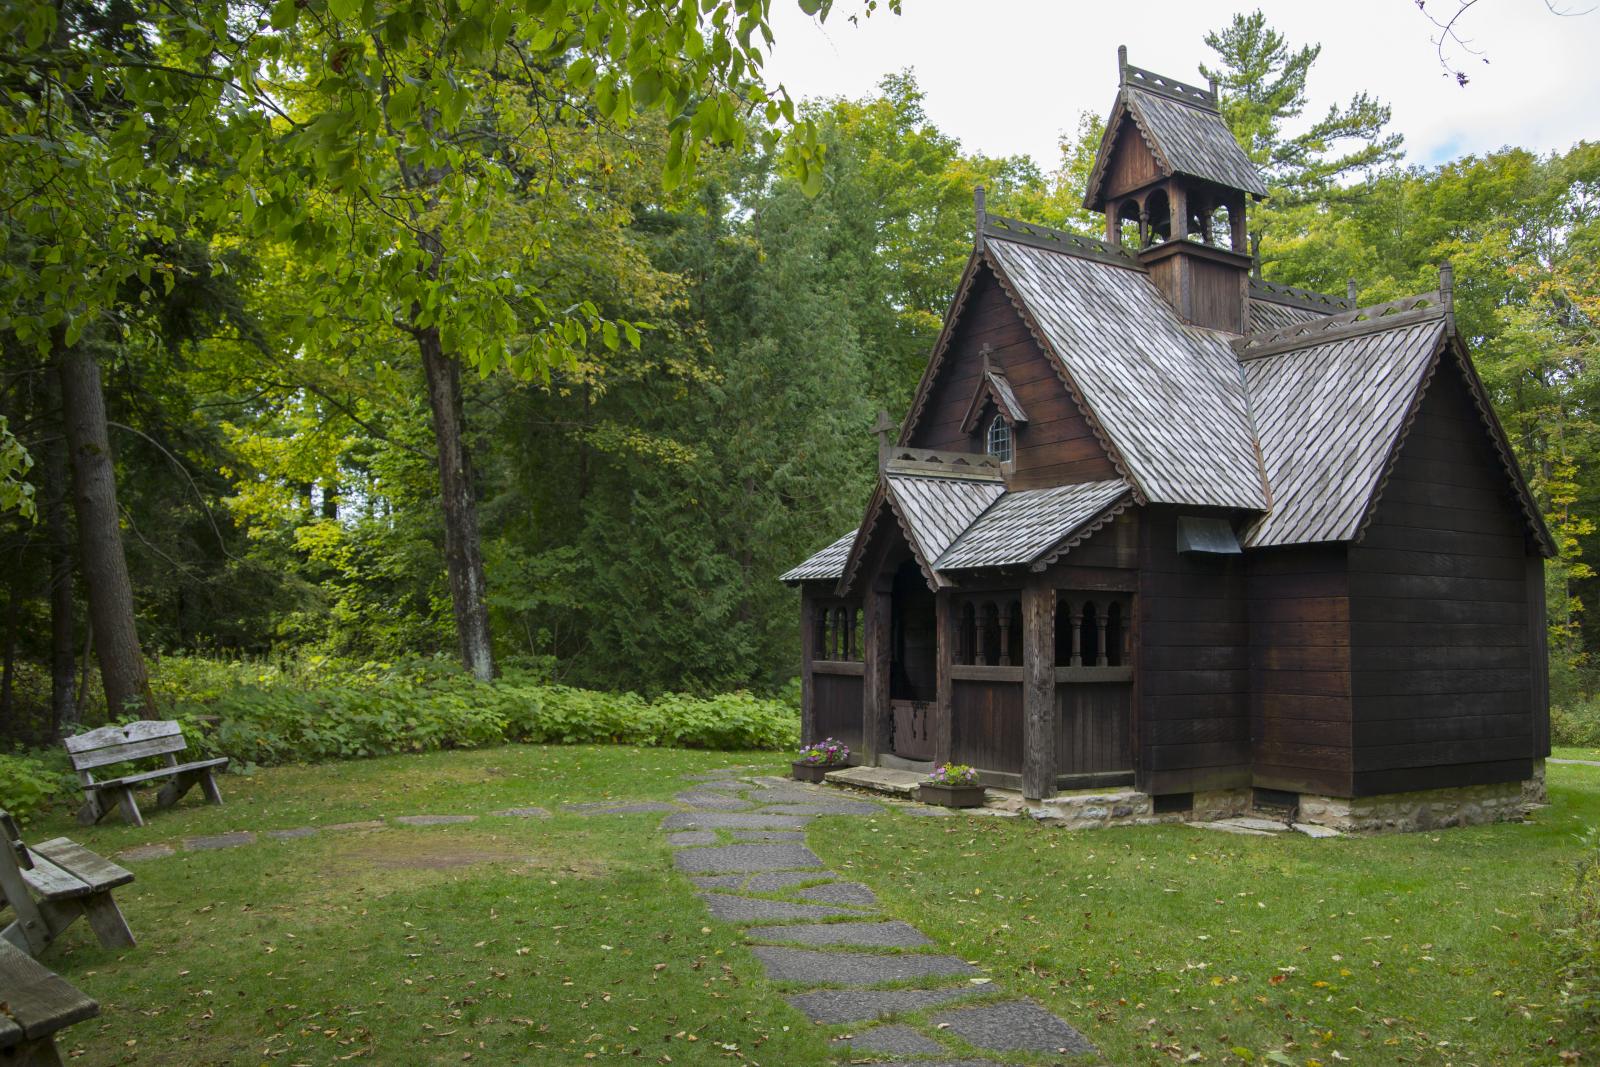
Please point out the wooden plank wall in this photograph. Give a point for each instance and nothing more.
(838, 711)
(1057, 446)
(1300, 669)
(1131, 166)
(1446, 677)
(1093, 727)
(1192, 667)
(986, 724)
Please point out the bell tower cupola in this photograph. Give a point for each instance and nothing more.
(1173, 184)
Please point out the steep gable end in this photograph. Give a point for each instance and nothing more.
(1056, 445)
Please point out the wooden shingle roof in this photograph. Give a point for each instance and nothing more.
(935, 511)
(827, 565)
(1329, 416)
(1028, 525)
(1168, 396)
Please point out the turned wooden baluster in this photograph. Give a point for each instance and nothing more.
(1100, 640)
(1005, 637)
(1077, 643)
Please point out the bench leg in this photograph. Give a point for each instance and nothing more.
(173, 791)
(130, 806)
(107, 922)
(208, 786)
(93, 810)
(40, 1052)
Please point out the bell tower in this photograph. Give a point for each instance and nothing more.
(1173, 183)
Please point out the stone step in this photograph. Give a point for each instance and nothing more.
(888, 780)
(1090, 808)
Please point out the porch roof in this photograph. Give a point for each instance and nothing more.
(827, 565)
(1027, 525)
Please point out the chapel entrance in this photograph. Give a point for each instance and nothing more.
(913, 664)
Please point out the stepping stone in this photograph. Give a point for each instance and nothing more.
(720, 881)
(692, 837)
(211, 842)
(289, 835)
(712, 801)
(824, 807)
(895, 1037)
(769, 835)
(1313, 830)
(854, 968)
(1015, 1026)
(835, 1006)
(605, 808)
(731, 820)
(723, 785)
(1255, 822)
(434, 820)
(368, 824)
(851, 893)
(1227, 827)
(146, 852)
(862, 935)
(735, 909)
(778, 881)
(522, 813)
(729, 858)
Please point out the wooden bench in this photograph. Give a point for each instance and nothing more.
(34, 1004)
(137, 740)
(50, 884)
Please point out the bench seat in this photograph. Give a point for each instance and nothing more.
(37, 1003)
(164, 772)
(50, 885)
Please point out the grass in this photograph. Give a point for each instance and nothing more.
(1574, 752)
(1170, 944)
(510, 941)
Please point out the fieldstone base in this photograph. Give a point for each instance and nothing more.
(1425, 809)
(1533, 789)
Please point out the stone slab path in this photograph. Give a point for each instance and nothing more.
(823, 939)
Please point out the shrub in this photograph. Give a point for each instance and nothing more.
(28, 784)
(1576, 723)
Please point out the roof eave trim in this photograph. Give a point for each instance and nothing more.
(1085, 530)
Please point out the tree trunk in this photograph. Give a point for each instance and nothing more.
(105, 567)
(463, 553)
(63, 622)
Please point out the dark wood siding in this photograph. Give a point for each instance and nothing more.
(1300, 669)
(986, 723)
(1057, 446)
(1093, 728)
(1192, 665)
(1132, 166)
(838, 712)
(1447, 671)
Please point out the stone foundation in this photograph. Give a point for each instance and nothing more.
(1426, 809)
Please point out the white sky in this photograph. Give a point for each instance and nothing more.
(1008, 76)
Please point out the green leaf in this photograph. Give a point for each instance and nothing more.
(284, 14)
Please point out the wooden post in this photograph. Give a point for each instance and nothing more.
(1039, 689)
(883, 428)
(808, 652)
(1100, 659)
(1178, 211)
(1076, 621)
(1004, 659)
(947, 638)
(875, 710)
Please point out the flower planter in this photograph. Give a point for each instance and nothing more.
(813, 772)
(951, 796)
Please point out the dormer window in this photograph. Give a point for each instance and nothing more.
(1000, 439)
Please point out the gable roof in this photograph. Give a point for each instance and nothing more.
(1023, 527)
(993, 385)
(1183, 129)
(1167, 396)
(827, 564)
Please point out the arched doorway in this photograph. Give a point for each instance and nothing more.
(913, 663)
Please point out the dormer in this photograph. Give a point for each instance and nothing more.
(1173, 183)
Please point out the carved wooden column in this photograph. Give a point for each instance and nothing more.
(1100, 659)
(1004, 659)
(980, 637)
(1038, 689)
(875, 710)
(808, 652)
(947, 640)
(1076, 621)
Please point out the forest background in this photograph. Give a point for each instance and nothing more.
(646, 324)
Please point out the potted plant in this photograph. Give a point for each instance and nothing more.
(954, 785)
(816, 760)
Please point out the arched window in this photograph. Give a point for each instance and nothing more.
(1128, 224)
(1089, 635)
(1114, 634)
(1159, 212)
(1000, 439)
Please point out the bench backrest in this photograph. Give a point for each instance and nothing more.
(115, 744)
(13, 839)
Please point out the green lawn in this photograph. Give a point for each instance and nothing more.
(1571, 752)
(511, 941)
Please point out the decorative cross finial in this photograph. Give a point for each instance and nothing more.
(1122, 64)
(984, 352)
(883, 428)
(1350, 290)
